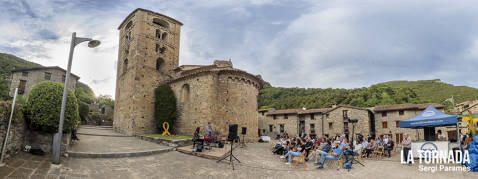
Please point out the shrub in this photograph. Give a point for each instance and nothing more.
(44, 104)
(165, 107)
(83, 109)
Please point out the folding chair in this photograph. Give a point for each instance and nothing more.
(301, 158)
(379, 152)
(337, 163)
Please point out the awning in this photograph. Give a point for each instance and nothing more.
(430, 117)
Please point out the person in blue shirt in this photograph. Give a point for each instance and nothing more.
(332, 156)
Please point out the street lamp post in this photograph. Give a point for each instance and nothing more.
(57, 137)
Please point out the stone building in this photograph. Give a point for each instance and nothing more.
(25, 79)
(336, 121)
(466, 107)
(315, 122)
(149, 56)
(278, 122)
(387, 120)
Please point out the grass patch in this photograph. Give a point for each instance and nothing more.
(173, 137)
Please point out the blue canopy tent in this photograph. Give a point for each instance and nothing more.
(430, 117)
(428, 120)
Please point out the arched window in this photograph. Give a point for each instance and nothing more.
(125, 65)
(162, 50)
(161, 23)
(164, 36)
(128, 25)
(184, 93)
(159, 62)
(158, 34)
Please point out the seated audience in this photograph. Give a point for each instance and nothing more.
(293, 153)
(330, 156)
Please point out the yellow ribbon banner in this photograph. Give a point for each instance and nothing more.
(166, 128)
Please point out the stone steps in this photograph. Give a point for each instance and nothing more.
(119, 154)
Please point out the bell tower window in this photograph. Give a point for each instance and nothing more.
(161, 23)
(125, 65)
(158, 34)
(164, 36)
(159, 62)
(184, 93)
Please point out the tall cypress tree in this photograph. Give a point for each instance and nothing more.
(165, 109)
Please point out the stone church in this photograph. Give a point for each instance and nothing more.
(148, 56)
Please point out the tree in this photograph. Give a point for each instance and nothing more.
(83, 109)
(44, 104)
(165, 109)
(106, 100)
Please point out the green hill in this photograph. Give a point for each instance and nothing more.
(387, 93)
(10, 62)
(436, 90)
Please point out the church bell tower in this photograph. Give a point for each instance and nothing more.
(147, 55)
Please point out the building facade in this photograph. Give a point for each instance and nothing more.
(387, 120)
(25, 79)
(149, 56)
(337, 121)
(314, 122)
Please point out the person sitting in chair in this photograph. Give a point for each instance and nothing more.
(293, 153)
(389, 147)
(330, 156)
(324, 150)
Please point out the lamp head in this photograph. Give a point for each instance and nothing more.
(93, 43)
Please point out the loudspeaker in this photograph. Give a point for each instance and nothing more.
(232, 132)
(244, 131)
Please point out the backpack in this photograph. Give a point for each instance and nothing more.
(347, 165)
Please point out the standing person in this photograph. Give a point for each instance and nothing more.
(441, 136)
(407, 146)
(208, 129)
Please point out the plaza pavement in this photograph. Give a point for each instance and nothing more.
(257, 161)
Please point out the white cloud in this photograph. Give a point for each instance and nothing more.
(323, 44)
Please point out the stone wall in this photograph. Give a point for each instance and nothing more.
(16, 138)
(290, 124)
(44, 140)
(338, 123)
(219, 97)
(196, 98)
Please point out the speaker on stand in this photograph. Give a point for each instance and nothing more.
(243, 132)
(231, 137)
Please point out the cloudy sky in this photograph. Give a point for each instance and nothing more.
(291, 43)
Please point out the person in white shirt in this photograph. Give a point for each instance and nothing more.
(441, 136)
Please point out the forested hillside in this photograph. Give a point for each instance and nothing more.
(393, 92)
